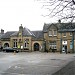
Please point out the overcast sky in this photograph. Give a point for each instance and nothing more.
(25, 12)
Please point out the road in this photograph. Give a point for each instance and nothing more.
(33, 63)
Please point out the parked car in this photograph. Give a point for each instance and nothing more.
(9, 49)
(1, 48)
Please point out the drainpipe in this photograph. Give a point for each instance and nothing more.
(61, 44)
(72, 42)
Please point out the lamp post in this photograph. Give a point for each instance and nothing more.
(45, 45)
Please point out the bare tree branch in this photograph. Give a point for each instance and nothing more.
(64, 9)
(73, 1)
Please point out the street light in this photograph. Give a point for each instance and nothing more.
(45, 45)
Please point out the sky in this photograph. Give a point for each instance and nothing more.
(13, 13)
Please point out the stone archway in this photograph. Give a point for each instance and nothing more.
(36, 47)
(6, 45)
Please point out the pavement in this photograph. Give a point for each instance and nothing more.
(38, 63)
(69, 69)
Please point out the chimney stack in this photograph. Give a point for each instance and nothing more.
(59, 21)
(2, 31)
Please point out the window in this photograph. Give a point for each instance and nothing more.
(53, 45)
(26, 45)
(20, 40)
(70, 33)
(70, 44)
(50, 33)
(64, 34)
(55, 33)
(15, 43)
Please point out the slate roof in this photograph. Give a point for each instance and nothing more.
(38, 34)
(26, 32)
(0, 35)
(67, 27)
(46, 26)
(63, 27)
(15, 34)
(7, 35)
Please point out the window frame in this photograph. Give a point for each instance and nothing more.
(15, 44)
(64, 35)
(26, 43)
(50, 33)
(53, 45)
(70, 33)
(54, 33)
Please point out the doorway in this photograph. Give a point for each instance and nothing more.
(36, 47)
(65, 48)
(6, 45)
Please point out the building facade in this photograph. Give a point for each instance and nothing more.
(53, 38)
(58, 36)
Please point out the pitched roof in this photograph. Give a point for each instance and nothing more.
(0, 35)
(7, 35)
(15, 34)
(62, 27)
(67, 26)
(46, 26)
(38, 34)
(25, 32)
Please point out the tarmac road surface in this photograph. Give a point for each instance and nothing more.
(33, 63)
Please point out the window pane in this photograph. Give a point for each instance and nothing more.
(50, 33)
(64, 34)
(70, 33)
(53, 45)
(25, 44)
(14, 42)
(70, 44)
(55, 32)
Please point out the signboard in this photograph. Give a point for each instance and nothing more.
(64, 42)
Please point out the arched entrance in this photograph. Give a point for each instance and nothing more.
(6, 45)
(36, 47)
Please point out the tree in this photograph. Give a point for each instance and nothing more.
(62, 9)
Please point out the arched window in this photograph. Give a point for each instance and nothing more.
(15, 43)
(26, 44)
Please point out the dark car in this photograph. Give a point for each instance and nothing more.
(9, 49)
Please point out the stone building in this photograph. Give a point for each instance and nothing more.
(58, 36)
(1, 34)
(54, 37)
(24, 39)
